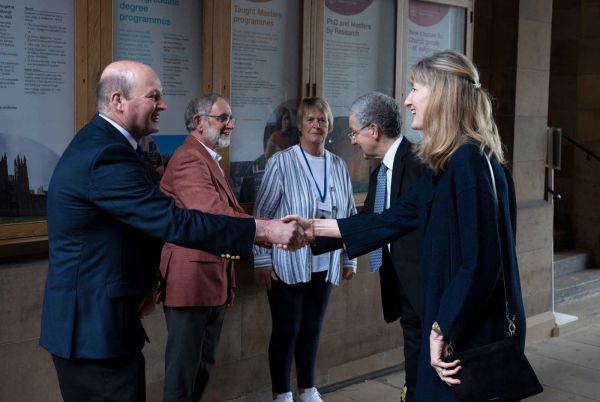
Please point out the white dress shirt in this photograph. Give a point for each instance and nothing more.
(388, 161)
(125, 133)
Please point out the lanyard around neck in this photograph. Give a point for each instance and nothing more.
(322, 196)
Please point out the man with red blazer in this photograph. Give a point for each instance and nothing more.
(199, 285)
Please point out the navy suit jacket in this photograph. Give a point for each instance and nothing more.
(465, 240)
(106, 223)
(402, 260)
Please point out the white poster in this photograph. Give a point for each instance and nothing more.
(432, 27)
(359, 57)
(165, 34)
(358, 52)
(265, 76)
(36, 102)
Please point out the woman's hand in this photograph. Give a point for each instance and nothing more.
(263, 277)
(305, 224)
(287, 235)
(348, 273)
(437, 351)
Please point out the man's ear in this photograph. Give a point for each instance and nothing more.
(197, 122)
(376, 131)
(116, 100)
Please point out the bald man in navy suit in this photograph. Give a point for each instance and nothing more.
(107, 221)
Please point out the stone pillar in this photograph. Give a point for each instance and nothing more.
(575, 107)
(535, 215)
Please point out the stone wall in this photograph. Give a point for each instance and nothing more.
(535, 215)
(355, 339)
(512, 51)
(575, 107)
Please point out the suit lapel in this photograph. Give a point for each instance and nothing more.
(397, 175)
(399, 165)
(110, 130)
(216, 172)
(368, 206)
(117, 136)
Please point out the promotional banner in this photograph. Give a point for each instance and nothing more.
(37, 102)
(265, 76)
(359, 57)
(358, 50)
(432, 27)
(165, 34)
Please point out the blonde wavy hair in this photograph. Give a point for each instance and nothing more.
(458, 111)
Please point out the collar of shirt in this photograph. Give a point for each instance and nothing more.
(213, 154)
(388, 161)
(125, 133)
(390, 155)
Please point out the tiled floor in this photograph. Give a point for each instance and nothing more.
(568, 367)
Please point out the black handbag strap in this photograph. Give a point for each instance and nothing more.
(511, 327)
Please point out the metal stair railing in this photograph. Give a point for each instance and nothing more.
(555, 137)
(589, 154)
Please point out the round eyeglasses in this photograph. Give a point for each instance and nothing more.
(222, 118)
(353, 133)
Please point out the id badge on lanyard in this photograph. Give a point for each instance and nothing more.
(324, 209)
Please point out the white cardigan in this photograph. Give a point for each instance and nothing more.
(285, 190)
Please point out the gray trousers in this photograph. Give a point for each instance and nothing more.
(193, 336)
(119, 379)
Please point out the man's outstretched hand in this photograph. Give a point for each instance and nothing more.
(305, 224)
(288, 234)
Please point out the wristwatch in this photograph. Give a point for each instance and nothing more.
(436, 328)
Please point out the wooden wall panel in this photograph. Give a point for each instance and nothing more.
(93, 52)
(206, 61)
(81, 48)
(220, 52)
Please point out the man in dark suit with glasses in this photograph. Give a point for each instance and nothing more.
(375, 124)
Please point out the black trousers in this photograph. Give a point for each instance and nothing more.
(297, 313)
(192, 340)
(119, 379)
(411, 331)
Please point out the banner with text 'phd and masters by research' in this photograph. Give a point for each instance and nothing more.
(358, 57)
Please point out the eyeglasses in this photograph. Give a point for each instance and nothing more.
(222, 118)
(353, 133)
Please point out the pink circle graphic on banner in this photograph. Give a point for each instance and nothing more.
(348, 7)
(426, 14)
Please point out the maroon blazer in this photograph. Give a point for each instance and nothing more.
(194, 277)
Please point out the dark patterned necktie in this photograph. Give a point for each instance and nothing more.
(376, 256)
(140, 153)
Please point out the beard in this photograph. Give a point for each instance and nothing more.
(223, 142)
(215, 136)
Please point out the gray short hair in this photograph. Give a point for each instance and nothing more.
(378, 108)
(115, 81)
(200, 105)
